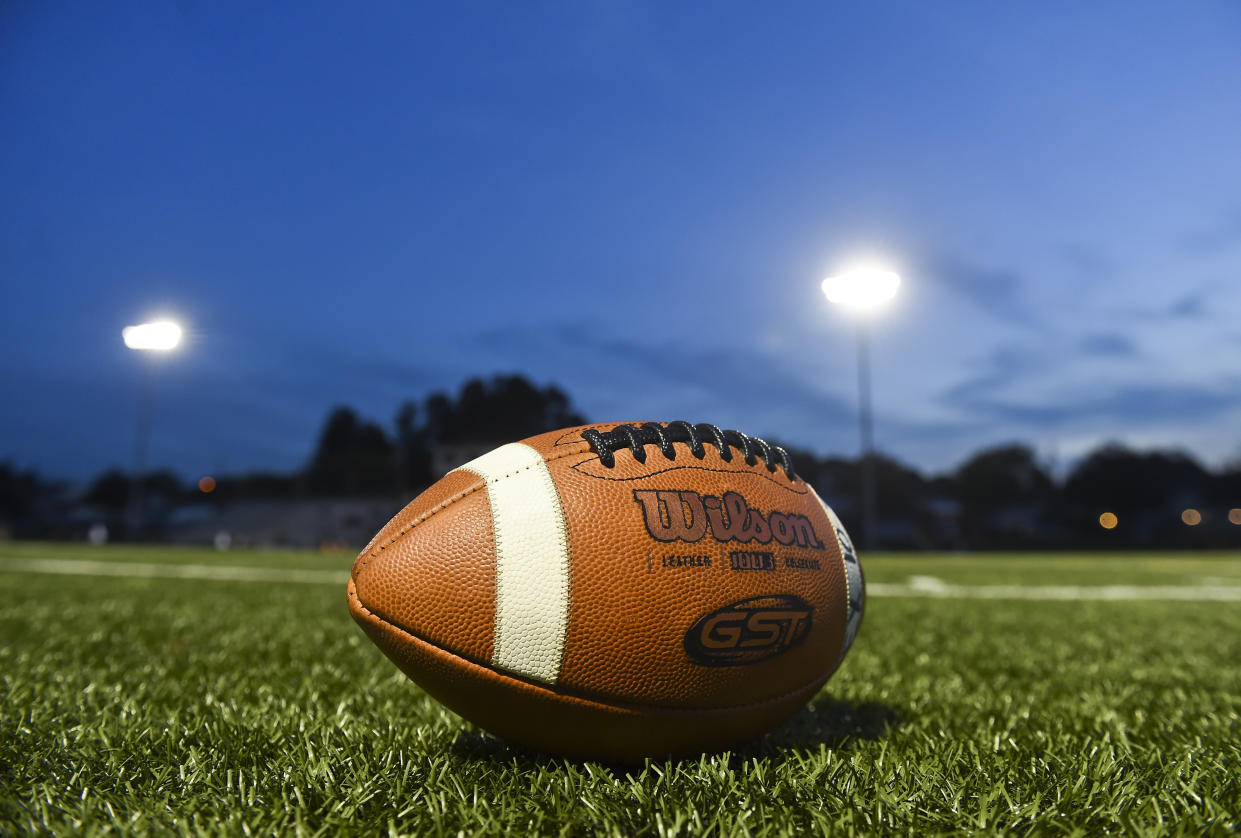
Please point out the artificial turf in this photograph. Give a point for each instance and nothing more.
(156, 705)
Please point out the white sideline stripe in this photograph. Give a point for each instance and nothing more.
(147, 570)
(234, 573)
(532, 561)
(1056, 592)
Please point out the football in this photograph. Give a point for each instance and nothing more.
(616, 591)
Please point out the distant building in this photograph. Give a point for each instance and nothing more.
(334, 523)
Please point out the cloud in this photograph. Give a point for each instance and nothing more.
(1107, 345)
(240, 399)
(1191, 306)
(1003, 367)
(1223, 235)
(996, 291)
(1145, 403)
(1086, 259)
(1122, 408)
(291, 366)
(1031, 388)
(618, 377)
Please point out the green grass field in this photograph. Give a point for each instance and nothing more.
(236, 705)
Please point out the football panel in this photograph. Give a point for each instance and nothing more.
(442, 492)
(539, 717)
(434, 570)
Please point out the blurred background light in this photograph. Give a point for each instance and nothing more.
(159, 336)
(1234, 515)
(1191, 517)
(206, 484)
(1108, 520)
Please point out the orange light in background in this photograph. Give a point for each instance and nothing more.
(1234, 515)
(1108, 520)
(206, 484)
(1191, 517)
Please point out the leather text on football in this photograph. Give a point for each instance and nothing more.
(749, 631)
(685, 515)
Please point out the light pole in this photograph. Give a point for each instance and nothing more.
(863, 292)
(149, 338)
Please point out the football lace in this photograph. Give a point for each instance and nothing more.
(667, 435)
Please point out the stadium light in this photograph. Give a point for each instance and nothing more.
(158, 336)
(863, 291)
(155, 337)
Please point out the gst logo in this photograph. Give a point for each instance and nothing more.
(749, 631)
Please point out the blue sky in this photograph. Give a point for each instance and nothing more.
(365, 203)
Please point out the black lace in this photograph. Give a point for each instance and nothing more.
(665, 435)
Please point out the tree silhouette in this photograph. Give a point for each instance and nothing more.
(505, 408)
(1228, 486)
(412, 452)
(19, 492)
(110, 491)
(1003, 493)
(1146, 490)
(1000, 497)
(901, 495)
(352, 457)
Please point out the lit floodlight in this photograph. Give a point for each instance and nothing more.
(159, 336)
(862, 289)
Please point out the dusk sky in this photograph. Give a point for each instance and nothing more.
(365, 203)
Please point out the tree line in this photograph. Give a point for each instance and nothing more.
(999, 498)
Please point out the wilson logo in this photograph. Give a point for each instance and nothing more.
(688, 516)
(749, 631)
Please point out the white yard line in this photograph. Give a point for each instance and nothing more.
(1055, 592)
(918, 586)
(145, 570)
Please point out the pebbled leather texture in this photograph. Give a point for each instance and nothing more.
(707, 602)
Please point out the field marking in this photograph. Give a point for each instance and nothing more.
(148, 570)
(932, 587)
(917, 586)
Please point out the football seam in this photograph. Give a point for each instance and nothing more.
(844, 571)
(444, 504)
(575, 434)
(586, 697)
(748, 470)
(567, 438)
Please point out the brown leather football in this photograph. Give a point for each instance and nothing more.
(616, 591)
